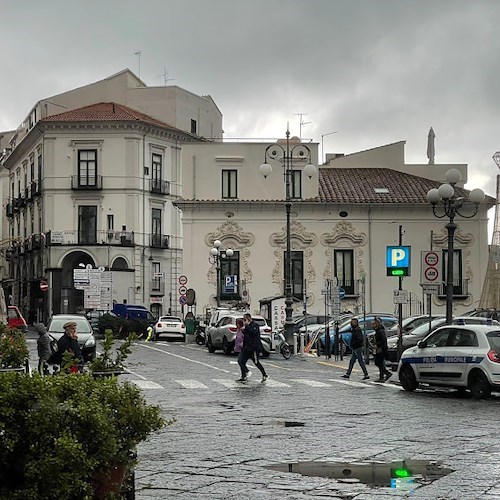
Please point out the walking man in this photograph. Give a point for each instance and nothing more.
(43, 347)
(381, 350)
(357, 350)
(252, 345)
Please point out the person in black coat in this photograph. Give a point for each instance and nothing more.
(357, 339)
(69, 343)
(381, 350)
(252, 345)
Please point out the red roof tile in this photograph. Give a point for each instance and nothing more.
(105, 111)
(357, 185)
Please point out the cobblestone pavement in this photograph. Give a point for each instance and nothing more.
(225, 434)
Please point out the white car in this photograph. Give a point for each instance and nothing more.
(171, 326)
(461, 356)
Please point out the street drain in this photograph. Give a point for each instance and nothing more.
(403, 474)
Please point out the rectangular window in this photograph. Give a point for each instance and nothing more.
(87, 167)
(87, 224)
(155, 279)
(194, 127)
(32, 171)
(230, 276)
(458, 288)
(111, 222)
(296, 273)
(156, 170)
(296, 184)
(344, 269)
(156, 227)
(39, 168)
(229, 183)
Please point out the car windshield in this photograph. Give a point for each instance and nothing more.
(56, 325)
(494, 340)
(260, 322)
(424, 327)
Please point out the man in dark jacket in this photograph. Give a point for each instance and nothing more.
(357, 349)
(69, 343)
(43, 347)
(381, 351)
(252, 345)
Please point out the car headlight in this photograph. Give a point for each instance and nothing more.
(90, 342)
(392, 344)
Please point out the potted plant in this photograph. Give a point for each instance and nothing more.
(13, 349)
(69, 436)
(109, 363)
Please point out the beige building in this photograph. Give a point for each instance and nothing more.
(343, 219)
(88, 180)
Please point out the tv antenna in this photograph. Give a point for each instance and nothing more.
(301, 122)
(165, 76)
(138, 54)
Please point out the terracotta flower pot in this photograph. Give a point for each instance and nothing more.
(108, 481)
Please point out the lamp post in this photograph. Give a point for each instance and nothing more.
(289, 156)
(217, 254)
(445, 203)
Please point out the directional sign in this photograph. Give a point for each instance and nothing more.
(430, 268)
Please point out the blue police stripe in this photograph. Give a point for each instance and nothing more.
(443, 359)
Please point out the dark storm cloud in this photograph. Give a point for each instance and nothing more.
(376, 71)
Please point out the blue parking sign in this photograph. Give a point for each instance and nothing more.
(398, 261)
(231, 283)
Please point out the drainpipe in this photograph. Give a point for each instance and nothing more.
(143, 257)
(370, 281)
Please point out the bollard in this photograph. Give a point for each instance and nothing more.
(295, 343)
(302, 336)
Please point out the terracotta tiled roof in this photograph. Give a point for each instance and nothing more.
(374, 185)
(105, 112)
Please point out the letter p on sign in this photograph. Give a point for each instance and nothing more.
(398, 261)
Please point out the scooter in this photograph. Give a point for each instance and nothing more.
(282, 346)
(200, 337)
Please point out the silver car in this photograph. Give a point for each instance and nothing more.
(223, 334)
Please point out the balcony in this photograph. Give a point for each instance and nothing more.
(157, 287)
(35, 188)
(79, 183)
(159, 186)
(72, 237)
(27, 245)
(36, 241)
(460, 289)
(159, 240)
(21, 201)
(9, 210)
(27, 194)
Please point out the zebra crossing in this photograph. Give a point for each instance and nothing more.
(193, 384)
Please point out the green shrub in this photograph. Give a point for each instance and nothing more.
(13, 348)
(56, 432)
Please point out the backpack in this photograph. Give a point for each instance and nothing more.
(54, 351)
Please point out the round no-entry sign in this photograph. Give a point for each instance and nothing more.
(44, 286)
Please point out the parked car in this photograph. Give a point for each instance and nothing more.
(16, 319)
(460, 356)
(389, 320)
(419, 333)
(413, 322)
(86, 339)
(93, 317)
(131, 311)
(223, 334)
(170, 326)
(483, 313)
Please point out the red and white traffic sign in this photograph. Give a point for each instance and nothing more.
(182, 290)
(44, 286)
(430, 268)
(183, 279)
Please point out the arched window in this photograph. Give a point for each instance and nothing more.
(119, 263)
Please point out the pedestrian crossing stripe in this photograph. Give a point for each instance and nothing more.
(232, 384)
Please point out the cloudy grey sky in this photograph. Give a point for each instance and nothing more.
(375, 71)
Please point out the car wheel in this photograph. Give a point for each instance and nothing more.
(479, 386)
(227, 348)
(407, 378)
(210, 346)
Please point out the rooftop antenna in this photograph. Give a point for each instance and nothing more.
(165, 76)
(138, 54)
(301, 123)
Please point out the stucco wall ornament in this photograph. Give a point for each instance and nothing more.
(343, 236)
(300, 240)
(231, 235)
(463, 239)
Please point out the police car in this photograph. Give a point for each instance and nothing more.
(461, 356)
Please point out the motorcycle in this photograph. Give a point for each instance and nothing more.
(200, 337)
(282, 346)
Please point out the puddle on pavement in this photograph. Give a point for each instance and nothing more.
(402, 474)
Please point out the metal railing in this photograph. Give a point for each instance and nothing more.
(159, 240)
(83, 183)
(159, 186)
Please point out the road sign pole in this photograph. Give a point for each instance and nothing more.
(400, 305)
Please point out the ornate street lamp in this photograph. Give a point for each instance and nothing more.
(290, 156)
(216, 255)
(446, 204)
